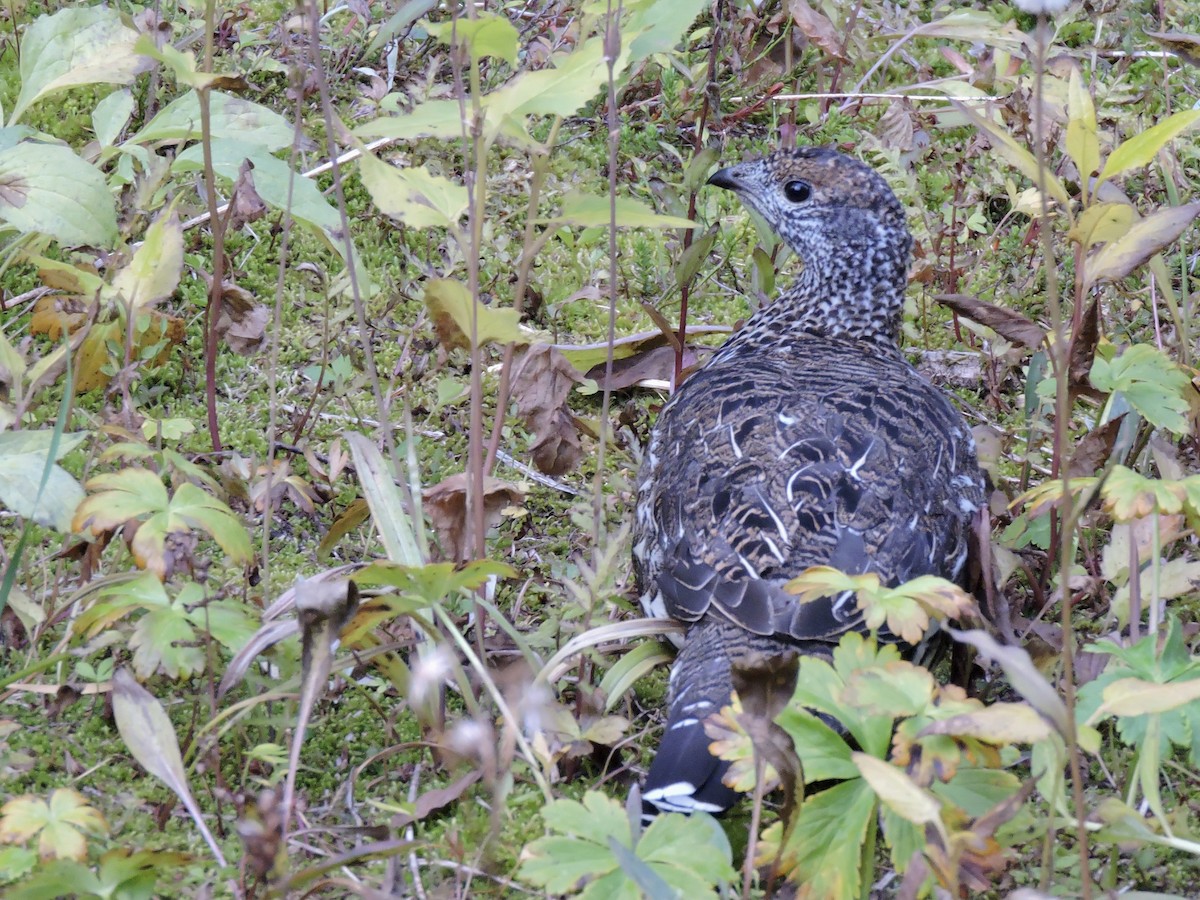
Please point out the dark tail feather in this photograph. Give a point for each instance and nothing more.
(684, 776)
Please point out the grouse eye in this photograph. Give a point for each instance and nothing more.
(797, 191)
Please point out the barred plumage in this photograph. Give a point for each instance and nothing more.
(807, 440)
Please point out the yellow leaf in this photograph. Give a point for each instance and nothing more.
(1000, 723)
(899, 793)
(1132, 697)
(456, 316)
(1082, 144)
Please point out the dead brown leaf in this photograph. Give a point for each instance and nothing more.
(542, 380)
(446, 503)
(1009, 324)
(1185, 46)
(56, 313)
(243, 320)
(817, 28)
(246, 206)
(1094, 449)
(657, 363)
(1083, 347)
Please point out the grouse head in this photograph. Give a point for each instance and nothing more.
(843, 221)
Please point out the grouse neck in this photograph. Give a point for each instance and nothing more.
(858, 298)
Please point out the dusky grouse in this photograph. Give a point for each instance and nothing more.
(806, 440)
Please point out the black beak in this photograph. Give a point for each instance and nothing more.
(724, 178)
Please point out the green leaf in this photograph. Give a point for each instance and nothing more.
(147, 731)
(441, 119)
(676, 845)
(1151, 381)
(195, 508)
(72, 47)
(561, 91)
(1142, 240)
(657, 26)
(896, 690)
(232, 118)
(120, 496)
(488, 34)
(824, 846)
(48, 189)
(1143, 147)
(153, 272)
(111, 115)
(413, 195)
(1083, 146)
(589, 211)
(824, 754)
(23, 459)
(181, 63)
(1102, 223)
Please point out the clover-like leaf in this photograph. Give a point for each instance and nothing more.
(61, 825)
(687, 853)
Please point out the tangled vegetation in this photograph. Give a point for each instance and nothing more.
(331, 336)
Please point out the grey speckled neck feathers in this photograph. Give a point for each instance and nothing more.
(843, 221)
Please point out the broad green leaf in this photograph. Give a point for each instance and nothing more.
(824, 847)
(589, 211)
(232, 118)
(48, 189)
(77, 46)
(657, 26)
(1144, 238)
(488, 34)
(413, 195)
(824, 754)
(649, 883)
(153, 272)
(561, 91)
(896, 690)
(1143, 147)
(164, 639)
(452, 308)
(1153, 384)
(23, 457)
(199, 509)
(181, 63)
(111, 115)
(441, 119)
(1083, 146)
(559, 864)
